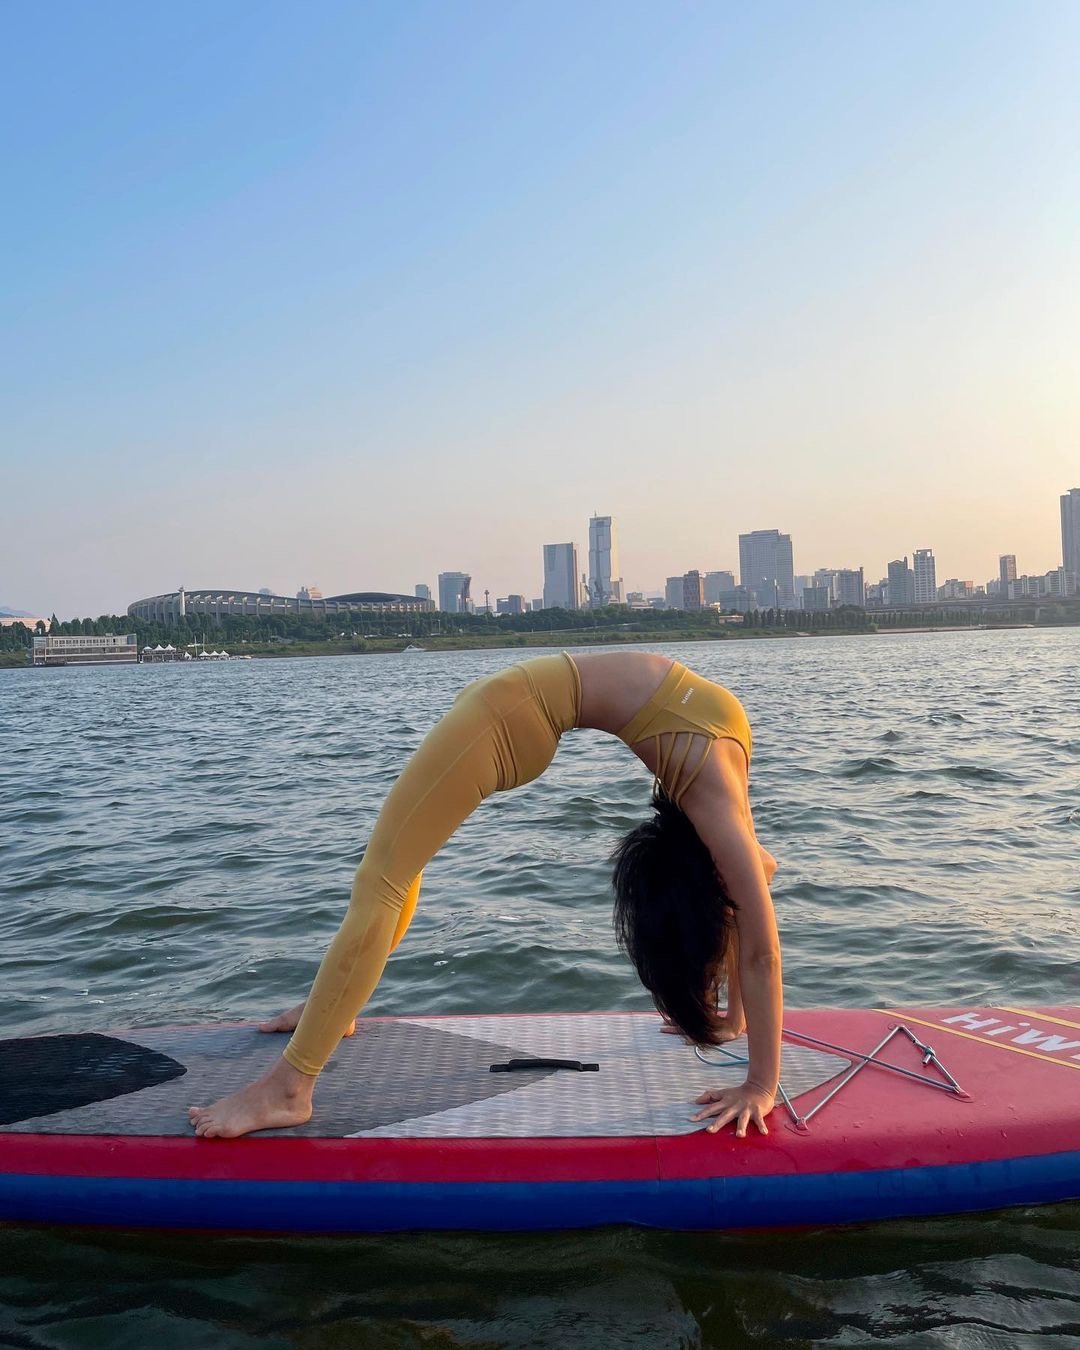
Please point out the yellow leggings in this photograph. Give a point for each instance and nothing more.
(501, 731)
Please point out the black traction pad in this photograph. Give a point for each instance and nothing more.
(41, 1075)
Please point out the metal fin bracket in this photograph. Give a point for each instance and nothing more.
(929, 1057)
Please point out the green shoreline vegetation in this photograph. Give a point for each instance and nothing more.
(362, 633)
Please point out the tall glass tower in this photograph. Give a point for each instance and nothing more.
(925, 575)
(454, 597)
(562, 582)
(605, 581)
(767, 568)
(1070, 531)
(901, 583)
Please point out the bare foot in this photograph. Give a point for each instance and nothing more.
(287, 1021)
(278, 1099)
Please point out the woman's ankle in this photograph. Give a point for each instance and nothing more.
(291, 1082)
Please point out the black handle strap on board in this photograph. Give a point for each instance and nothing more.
(512, 1065)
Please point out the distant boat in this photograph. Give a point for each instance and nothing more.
(413, 648)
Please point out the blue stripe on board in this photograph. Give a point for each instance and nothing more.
(356, 1207)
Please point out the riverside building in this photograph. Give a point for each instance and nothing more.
(925, 570)
(562, 586)
(816, 599)
(111, 649)
(955, 589)
(716, 585)
(605, 581)
(849, 587)
(901, 583)
(766, 567)
(1070, 531)
(693, 591)
(454, 597)
(1057, 583)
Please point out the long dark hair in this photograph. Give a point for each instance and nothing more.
(673, 917)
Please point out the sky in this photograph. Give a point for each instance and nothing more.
(350, 294)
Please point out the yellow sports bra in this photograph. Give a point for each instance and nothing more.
(687, 702)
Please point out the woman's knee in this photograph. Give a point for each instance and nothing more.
(374, 886)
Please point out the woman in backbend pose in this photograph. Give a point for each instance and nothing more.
(691, 884)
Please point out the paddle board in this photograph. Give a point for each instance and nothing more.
(419, 1124)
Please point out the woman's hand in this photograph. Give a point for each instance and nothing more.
(731, 1027)
(741, 1104)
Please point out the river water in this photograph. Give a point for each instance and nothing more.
(177, 846)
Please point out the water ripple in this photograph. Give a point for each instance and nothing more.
(179, 844)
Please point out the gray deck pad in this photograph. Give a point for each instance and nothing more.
(430, 1078)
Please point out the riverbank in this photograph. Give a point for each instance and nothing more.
(590, 637)
(563, 638)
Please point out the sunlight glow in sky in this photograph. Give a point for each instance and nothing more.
(352, 294)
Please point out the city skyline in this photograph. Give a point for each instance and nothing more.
(507, 575)
(767, 555)
(402, 279)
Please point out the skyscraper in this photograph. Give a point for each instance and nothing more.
(849, 587)
(824, 579)
(673, 593)
(605, 582)
(562, 587)
(1006, 571)
(454, 597)
(718, 584)
(423, 591)
(901, 583)
(816, 599)
(925, 571)
(693, 591)
(765, 566)
(1070, 531)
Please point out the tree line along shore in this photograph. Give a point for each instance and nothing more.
(305, 635)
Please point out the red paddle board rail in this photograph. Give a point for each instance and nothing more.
(893, 1142)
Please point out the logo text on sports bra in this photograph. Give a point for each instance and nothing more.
(686, 697)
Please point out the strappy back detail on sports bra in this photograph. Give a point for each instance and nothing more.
(687, 704)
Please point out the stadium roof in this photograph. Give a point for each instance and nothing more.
(369, 598)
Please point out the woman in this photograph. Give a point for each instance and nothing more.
(684, 881)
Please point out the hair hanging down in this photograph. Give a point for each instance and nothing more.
(672, 917)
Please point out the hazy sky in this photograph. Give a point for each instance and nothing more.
(352, 293)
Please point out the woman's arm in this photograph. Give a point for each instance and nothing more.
(720, 814)
(734, 1014)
